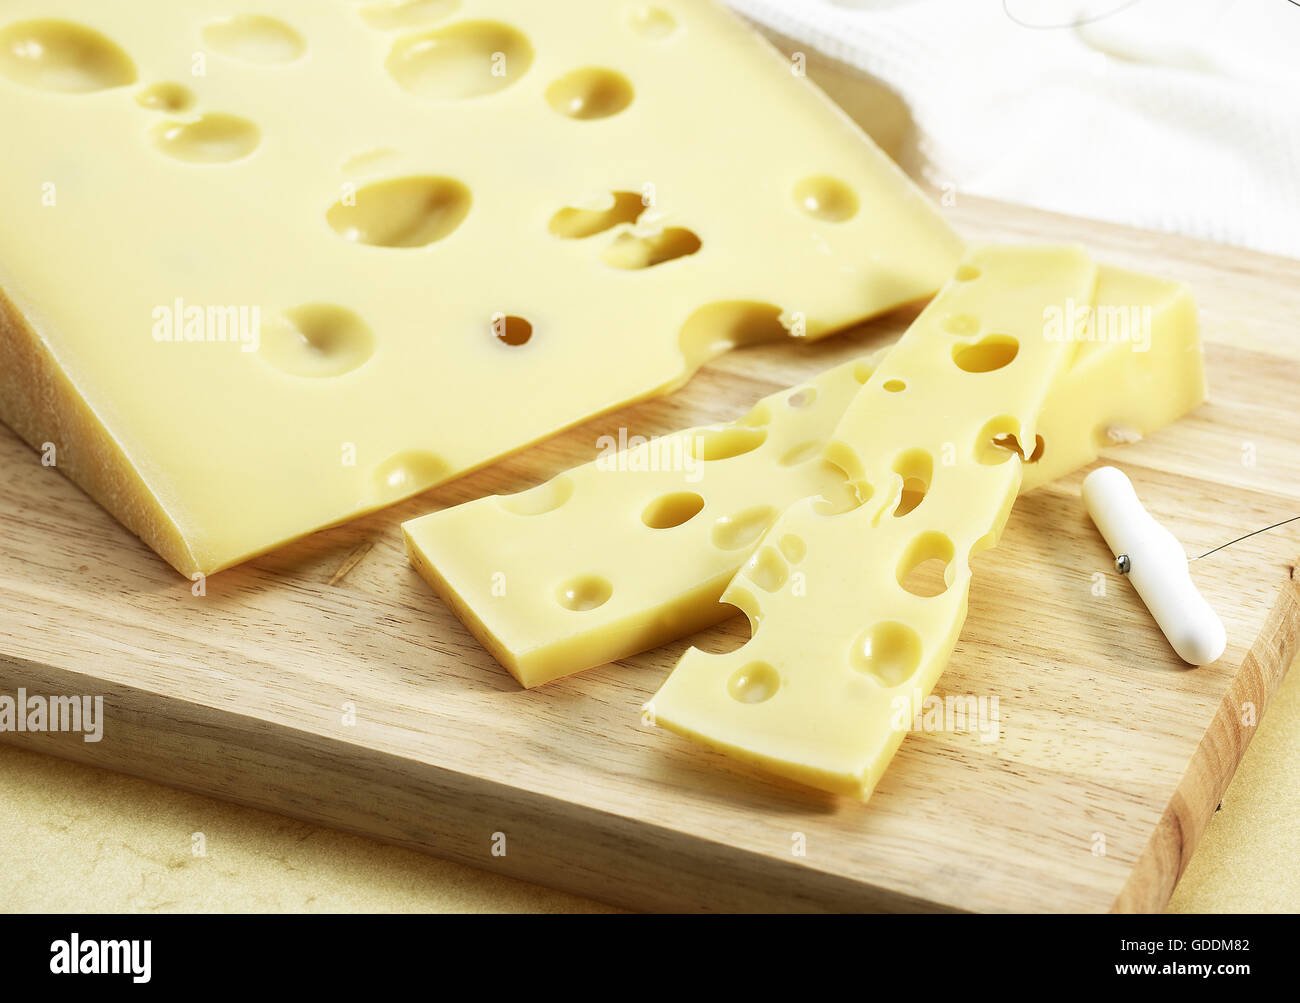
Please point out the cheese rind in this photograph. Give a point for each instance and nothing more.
(669, 582)
(355, 178)
(844, 635)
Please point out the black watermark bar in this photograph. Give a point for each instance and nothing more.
(331, 953)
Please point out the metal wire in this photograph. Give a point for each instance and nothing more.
(1248, 535)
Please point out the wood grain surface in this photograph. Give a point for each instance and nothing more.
(325, 681)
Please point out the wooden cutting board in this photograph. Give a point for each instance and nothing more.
(325, 681)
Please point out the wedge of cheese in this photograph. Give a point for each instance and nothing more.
(852, 611)
(266, 269)
(1139, 366)
(664, 525)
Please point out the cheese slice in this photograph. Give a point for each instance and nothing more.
(635, 548)
(854, 612)
(263, 272)
(649, 520)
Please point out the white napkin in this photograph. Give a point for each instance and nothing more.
(1176, 115)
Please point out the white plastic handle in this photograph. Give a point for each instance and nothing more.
(1157, 566)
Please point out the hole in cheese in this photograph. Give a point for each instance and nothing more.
(653, 23)
(754, 683)
(730, 635)
(999, 440)
(167, 97)
(841, 487)
(915, 467)
(406, 473)
(254, 38)
(586, 592)
(737, 531)
(317, 340)
(725, 443)
(511, 330)
(895, 386)
(802, 398)
(718, 327)
(672, 510)
(793, 547)
(767, 569)
(1011, 443)
(991, 441)
(888, 652)
(590, 93)
(843, 456)
(826, 198)
(989, 354)
(214, 138)
(576, 224)
(632, 253)
(55, 55)
(401, 212)
(463, 60)
(926, 565)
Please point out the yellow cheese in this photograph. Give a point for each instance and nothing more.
(1139, 366)
(630, 550)
(854, 612)
(648, 520)
(266, 271)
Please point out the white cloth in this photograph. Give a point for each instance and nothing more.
(1175, 115)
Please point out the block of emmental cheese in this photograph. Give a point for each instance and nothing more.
(266, 269)
(855, 613)
(655, 522)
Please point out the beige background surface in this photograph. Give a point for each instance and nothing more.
(73, 838)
